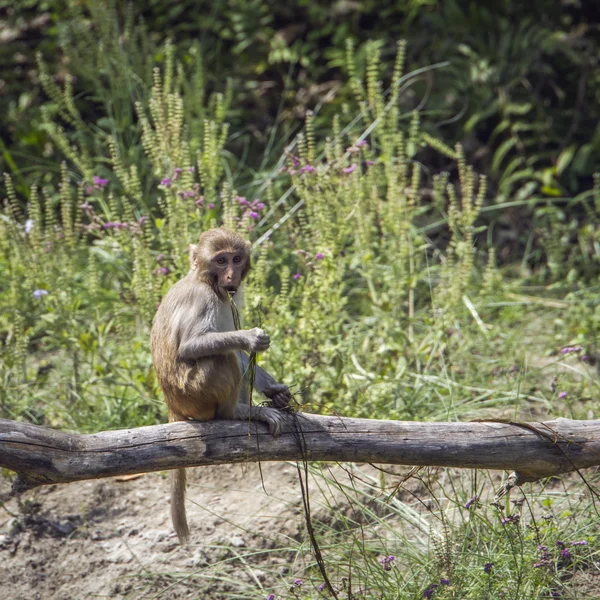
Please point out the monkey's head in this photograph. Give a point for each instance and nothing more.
(221, 258)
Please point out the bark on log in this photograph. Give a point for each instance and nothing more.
(534, 450)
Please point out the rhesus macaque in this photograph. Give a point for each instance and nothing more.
(198, 355)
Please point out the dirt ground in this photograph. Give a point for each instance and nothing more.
(113, 539)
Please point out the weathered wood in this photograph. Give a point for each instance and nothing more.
(44, 456)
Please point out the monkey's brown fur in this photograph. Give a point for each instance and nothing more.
(197, 352)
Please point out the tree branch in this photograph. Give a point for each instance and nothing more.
(42, 456)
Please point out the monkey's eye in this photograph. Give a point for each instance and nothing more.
(221, 260)
(237, 259)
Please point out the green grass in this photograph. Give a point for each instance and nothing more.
(369, 316)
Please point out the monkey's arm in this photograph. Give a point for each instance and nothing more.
(278, 393)
(198, 344)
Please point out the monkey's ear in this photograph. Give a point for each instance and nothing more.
(193, 256)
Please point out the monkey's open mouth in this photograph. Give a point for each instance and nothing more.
(231, 289)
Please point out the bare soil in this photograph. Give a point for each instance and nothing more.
(113, 539)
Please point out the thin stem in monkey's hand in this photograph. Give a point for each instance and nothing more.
(251, 370)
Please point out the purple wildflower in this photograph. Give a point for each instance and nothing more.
(271, 597)
(142, 220)
(560, 543)
(444, 581)
(319, 256)
(585, 358)
(565, 553)
(115, 225)
(306, 169)
(166, 182)
(37, 294)
(98, 181)
(581, 543)
(298, 582)
(295, 161)
(350, 169)
(369, 163)
(511, 519)
(211, 205)
(161, 271)
(562, 395)
(487, 568)
(361, 143)
(253, 214)
(322, 587)
(258, 205)
(387, 561)
(297, 276)
(176, 173)
(243, 201)
(283, 169)
(200, 201)
(89, 190)
(470, 503)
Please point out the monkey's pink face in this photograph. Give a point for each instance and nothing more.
(228, 268)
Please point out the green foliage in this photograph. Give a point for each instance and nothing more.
(382, 268)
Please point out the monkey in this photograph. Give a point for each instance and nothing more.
(199, 357)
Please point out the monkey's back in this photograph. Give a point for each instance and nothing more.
(194, 389)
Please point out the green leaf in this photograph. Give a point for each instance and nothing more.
(502, 151)
(564, 159)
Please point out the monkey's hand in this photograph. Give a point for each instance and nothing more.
(257, 340)
(279, 394)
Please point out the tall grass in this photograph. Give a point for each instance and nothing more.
(378, 283)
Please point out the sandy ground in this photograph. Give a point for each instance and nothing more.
(113, 539)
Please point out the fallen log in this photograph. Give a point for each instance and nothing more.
(43, 456)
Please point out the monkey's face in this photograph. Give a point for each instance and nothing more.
(227, 270)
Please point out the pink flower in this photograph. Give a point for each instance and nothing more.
(253, 215)
(369, 163)
(297, 276)
(350, 169)
(242, 200)
(176, 173)
(211, 205)
(166, 182)
(361, 143)
(306, 169)
(142, 220)
(319, 256)
(100, 182)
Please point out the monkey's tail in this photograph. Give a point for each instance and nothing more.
(178, 484)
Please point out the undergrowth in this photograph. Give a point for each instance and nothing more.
(379, 283)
